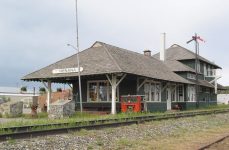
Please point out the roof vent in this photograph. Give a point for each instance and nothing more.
(147, 52)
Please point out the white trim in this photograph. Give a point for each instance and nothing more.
(177, 93)
(121, 79)
(108, 78)
(139, 86)
(150, 83)
(97, 89)
(162, 90)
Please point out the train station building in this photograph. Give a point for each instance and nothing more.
(108, 72)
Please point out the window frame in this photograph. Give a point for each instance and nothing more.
(109, 91)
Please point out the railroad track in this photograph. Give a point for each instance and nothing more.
(212, 144)
(58, 128)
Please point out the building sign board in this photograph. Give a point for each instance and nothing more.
(66, 70)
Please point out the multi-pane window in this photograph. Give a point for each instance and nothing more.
(152, 91)
(191, 76)
(198, 66)
(99, 91)
(173, 93)
(180, 93)
(205, 69)
(93, 91)
(191, 93)
(103, 91)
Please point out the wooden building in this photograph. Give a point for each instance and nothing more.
(107, 72)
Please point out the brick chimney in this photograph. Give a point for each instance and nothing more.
(147, 52)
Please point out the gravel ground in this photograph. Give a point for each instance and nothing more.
(121, 137)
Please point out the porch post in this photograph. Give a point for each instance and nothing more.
(169, 102)
(114, 86)
(215, 85)
(49, 94)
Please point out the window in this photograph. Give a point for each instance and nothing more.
(210, 71)
(191, 76)
(157, 91)
(103, 91)
(180, 93)
(99, 91)
(191, 93)
(173, 93)
(152, 91)
(205, 69)
(198, 66)
(93, 91)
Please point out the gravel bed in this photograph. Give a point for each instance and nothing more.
(117, 138)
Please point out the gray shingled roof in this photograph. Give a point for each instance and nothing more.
(204, 83)
(102, 58)
(177, 66)
(177, 52)
(221, 87)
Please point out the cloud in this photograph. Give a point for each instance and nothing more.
(35, 33)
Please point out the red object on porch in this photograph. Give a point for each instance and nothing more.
(131, 103)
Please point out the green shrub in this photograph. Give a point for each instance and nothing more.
(59, 89)
(23, 89)
(42, 90)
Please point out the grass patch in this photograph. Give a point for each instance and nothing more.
(124, 143)
(85, 117)
(11, 141)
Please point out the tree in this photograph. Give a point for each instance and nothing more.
(42, 90)
(59, 89)
(23, 89)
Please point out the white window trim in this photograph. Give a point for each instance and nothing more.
(182, 93)
(150, 91)
(175, 93)
(188, 92)
(108, 91)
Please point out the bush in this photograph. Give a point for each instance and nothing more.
(42, 90)
(23, 89)
(59, 90)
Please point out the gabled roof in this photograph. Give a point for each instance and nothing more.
(103, 58)
(177, 52)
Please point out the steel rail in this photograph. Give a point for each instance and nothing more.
(48, 129)
(213, 143)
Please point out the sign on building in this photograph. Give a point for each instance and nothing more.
(66, 70)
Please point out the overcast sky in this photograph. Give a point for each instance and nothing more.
(34, 33)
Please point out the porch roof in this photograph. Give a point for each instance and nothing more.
(103, 58)
(203, 83)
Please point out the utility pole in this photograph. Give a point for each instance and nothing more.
(77, 48)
